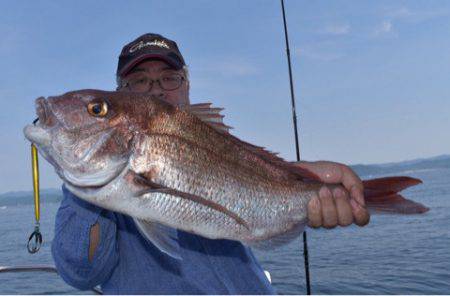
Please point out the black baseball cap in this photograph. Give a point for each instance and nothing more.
(149, 46)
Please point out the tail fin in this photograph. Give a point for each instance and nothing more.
(381, 195)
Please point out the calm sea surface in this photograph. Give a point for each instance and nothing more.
(392, 255)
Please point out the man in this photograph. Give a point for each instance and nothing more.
(93, 246)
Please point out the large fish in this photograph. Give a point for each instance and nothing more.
(180, 167)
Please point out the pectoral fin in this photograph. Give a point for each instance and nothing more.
(163, 237)
(154, 188)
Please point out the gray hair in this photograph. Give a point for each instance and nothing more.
(184, 69)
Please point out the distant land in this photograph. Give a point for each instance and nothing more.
(26, 197)
(436, 162)
(441, 161)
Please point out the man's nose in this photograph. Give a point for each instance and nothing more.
(156, 91)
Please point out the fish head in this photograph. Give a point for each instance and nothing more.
(87, 135)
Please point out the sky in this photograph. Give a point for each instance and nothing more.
(371, 78)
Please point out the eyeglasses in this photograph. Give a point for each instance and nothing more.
(168, 81)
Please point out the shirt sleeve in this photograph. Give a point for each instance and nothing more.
(70, 246)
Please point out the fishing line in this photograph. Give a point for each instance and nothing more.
(297, 148)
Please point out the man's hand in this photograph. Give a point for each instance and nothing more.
(336, 206)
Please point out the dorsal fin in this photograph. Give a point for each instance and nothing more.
(212, 116)
(299, 172)
(209, 115)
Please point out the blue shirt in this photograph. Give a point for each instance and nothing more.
(126, 263)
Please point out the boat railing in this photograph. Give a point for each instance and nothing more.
(37, 268)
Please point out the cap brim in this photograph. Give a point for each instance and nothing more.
(131, 64)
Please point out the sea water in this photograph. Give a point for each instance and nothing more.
(394, 254)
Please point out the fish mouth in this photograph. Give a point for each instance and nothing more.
(42, 138)
(42, 111)
(37, 135)
(37, 132)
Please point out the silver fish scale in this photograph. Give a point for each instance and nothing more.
(179, 213)
(267, 209)
(173, 210)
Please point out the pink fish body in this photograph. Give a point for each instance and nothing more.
(179, 167)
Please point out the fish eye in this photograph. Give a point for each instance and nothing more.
(98, 109)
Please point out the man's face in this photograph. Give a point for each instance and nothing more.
(143, 78)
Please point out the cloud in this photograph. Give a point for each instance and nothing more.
(239, 69)
(319, 55)
(224, 66)
(337, 29)
(231, 66)
(404, 15)
(402, 12)
(414, 16)
(383, 28)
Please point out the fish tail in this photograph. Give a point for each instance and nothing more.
(382, 195)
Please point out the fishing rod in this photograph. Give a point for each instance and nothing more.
(297, 147)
